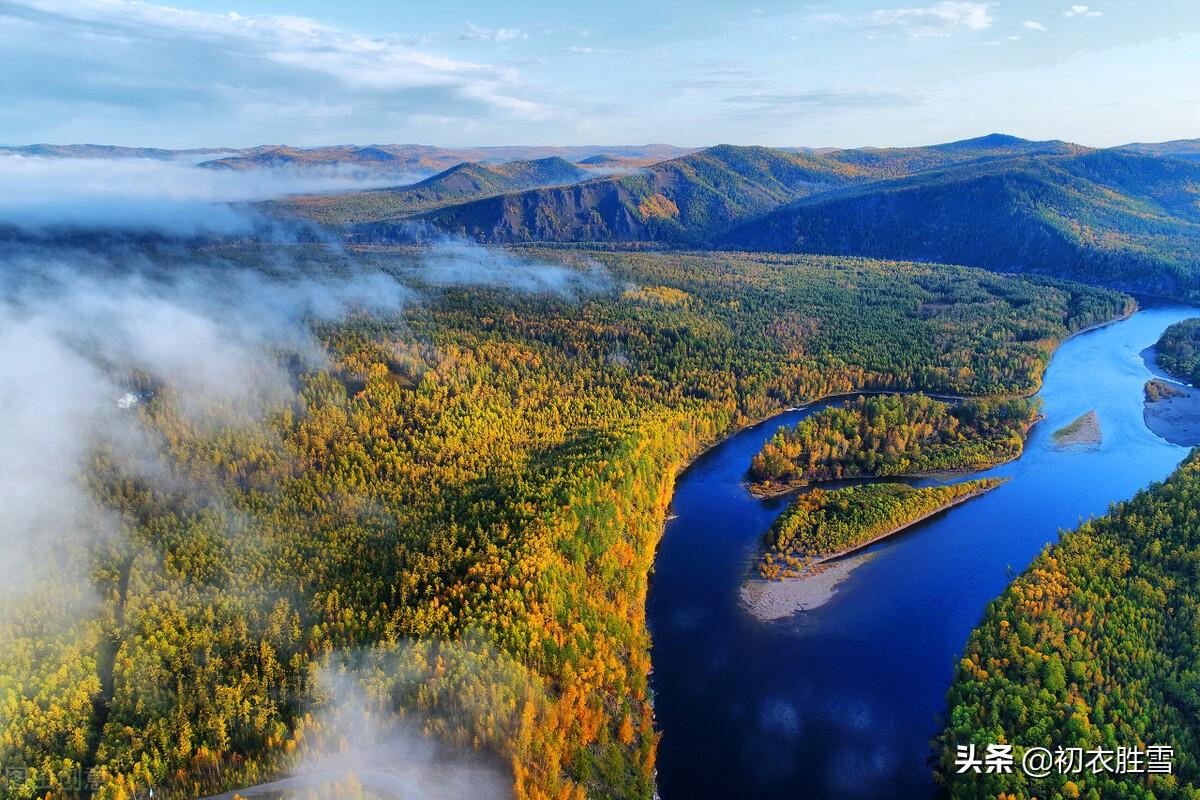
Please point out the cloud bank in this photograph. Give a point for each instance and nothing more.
(168, 197)
(139, 65)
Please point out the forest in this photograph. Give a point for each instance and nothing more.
(470, 492)
(1094, 647)
(891, 435)
(1178, 350)
(1119, 217)
(822, 523)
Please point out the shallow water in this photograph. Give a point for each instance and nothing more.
(842, 700)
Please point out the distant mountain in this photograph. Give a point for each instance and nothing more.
(105, 151)
(694, 199)
(1105, 217)
(461, 182)
(1127, 217)
(601, 160)
(423, 159)
(686, 200)
(607, 161)
(898, 161)
(1188, 149)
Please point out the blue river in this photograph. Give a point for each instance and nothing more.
(842, 700)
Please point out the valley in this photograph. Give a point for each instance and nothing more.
(688, 400)
(472, 491)
(478, 397)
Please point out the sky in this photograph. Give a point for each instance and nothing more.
(456, 73)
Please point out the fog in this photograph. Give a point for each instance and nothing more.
(172, 197)
(100, 339)
(458, 262)
(80, 330)
(360, 734)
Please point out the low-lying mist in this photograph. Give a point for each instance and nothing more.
(173, 197)
(98, 339)
(85, 333)
(107, 336)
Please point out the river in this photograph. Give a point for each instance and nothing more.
(842, 700)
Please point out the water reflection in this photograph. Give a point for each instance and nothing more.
(842, 700)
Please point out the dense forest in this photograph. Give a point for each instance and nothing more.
(820, 523)
(1178, 350)
(888, 435)
(1094, 647)
(471, 493)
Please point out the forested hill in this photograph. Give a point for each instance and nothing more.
(466, 181)
(686, 200)
(1180, 148)
(1104, 217)
(1095, 646)
(694, 199)
(1121, 217)
(891, 162)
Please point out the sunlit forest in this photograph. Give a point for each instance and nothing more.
(889, 435)
(1094, 647)
(823, 523)
(471, 492)
(1178, 350)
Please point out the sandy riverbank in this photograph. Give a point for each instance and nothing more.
(1174, 415)
(768, 600)
(1083, 432)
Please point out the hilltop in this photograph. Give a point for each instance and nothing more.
(424, 158)
(1188, 149)
(463, 181)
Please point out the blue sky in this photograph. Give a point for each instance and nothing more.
(456, 73)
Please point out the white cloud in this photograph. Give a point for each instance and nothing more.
(1082, 11)
(118, 55)
(1033, 25)
(479, 33)
(584, 51)
(940, 19)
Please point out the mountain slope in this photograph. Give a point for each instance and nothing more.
(1188, 149)
(1094, 645)
(898, 161)
(1104, 217)
(422, 159)
(694, 199)
(461, 182)
(686, 200)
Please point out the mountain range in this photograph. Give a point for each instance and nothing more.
(1125, 217)
(467, 180)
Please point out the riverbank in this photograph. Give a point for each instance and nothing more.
(843, 698)
(853, 393)
(1082, 432)
(1172, 412)
(768, 600)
